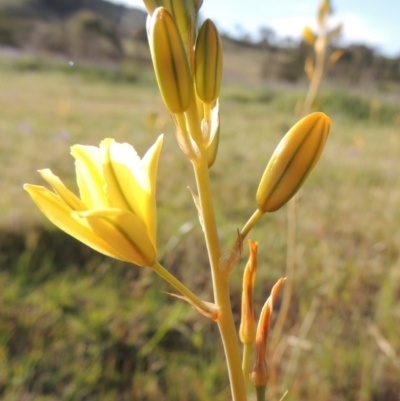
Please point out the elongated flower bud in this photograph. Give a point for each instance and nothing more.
(247, 330)
(309, 35)
(259, 373)
(208, 63)
(170, 61)
(335, 32)
(292, 161)
(184, 14)
(324, 10)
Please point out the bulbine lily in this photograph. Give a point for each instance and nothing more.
(116, 211)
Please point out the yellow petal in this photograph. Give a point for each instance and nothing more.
(59, 213)
(65, 194)
(183, 12)
(128, 186)
(131, 182)
(124, 231)
(309, 36)
(150, 162)
(89, 175)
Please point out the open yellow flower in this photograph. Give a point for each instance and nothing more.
(116, 211)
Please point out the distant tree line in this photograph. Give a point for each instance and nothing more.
(100, 30)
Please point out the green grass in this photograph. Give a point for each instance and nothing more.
(77, 326)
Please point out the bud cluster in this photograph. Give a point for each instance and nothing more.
(320, 42)
(188, 68)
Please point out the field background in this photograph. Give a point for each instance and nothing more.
(78, 326)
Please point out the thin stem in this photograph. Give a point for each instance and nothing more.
(220, 285)
(220, 281)
(287, 291)
(193, 122)
(251, 223)
(290, 269)
(167, 276)
(247, 350)
(320, 53)
(260, 393)
(303, 332)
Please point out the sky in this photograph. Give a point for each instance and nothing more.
(372, 22)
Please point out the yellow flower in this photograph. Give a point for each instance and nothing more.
(116, 211)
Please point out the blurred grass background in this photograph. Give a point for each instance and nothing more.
(77, 326)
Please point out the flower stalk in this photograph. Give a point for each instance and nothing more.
(116, 212)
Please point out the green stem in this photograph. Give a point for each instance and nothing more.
(220, 279)
(261, 393)
(251, 223)
(247, 349)
(220, 284)
(167, 276)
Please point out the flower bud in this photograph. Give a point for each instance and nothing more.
(324, 10)
(292, 161)
(259, 373)
(334, 33)
(309, 35)
(170, 61)
(247, 330)
(208, 63)
(184, 14)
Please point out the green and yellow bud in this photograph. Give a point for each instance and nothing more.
(170, 61)
(324, 10)
(208, 63)
(325, 7)
(293, 161)
(309, 36)
(184, 14)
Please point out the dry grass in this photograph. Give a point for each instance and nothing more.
(349, 236)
